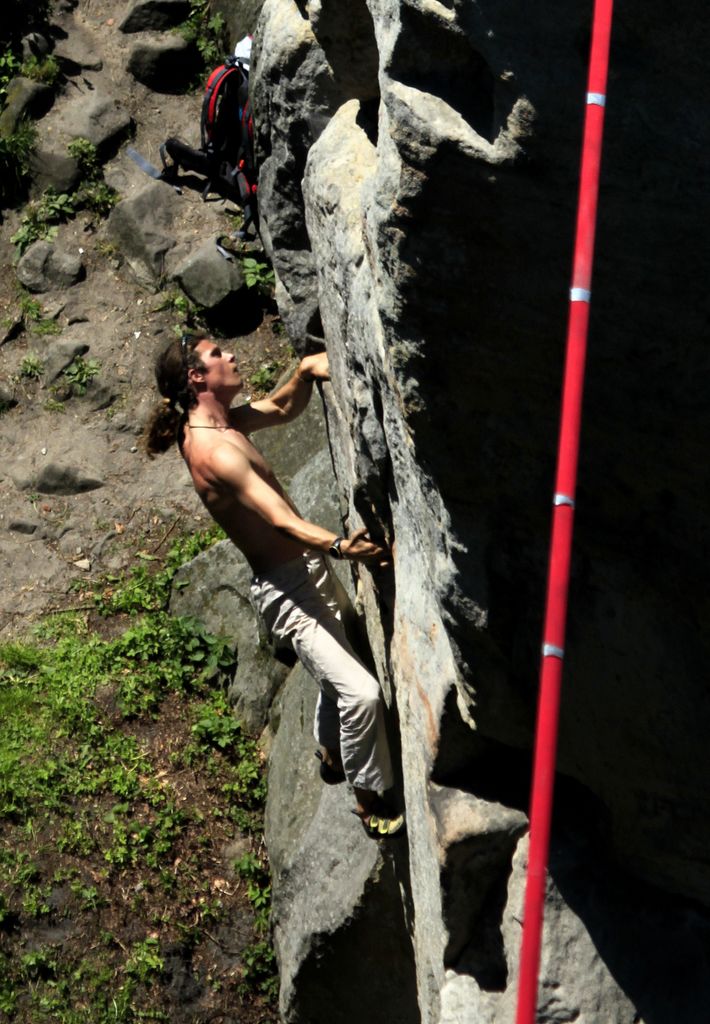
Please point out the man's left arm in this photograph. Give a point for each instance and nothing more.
(287, 402)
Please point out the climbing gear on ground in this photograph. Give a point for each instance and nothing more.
(226, 153)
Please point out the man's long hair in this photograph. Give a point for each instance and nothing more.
(166, 424)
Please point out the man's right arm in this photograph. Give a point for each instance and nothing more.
(234, 474)
(287, 402)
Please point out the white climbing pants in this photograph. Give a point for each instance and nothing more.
(299, 606)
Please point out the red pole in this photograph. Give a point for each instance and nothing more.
(563, 516)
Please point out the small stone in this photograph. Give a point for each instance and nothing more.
(83, 563)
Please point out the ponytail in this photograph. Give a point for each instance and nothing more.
(164, 427)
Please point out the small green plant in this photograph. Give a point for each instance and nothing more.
(42, 218)
(45, 326)
(76, 838)
(145, 961)
(216, 729)
(15, 153)
(98, 197)
(93, 193)
(206, 31)
(9, 69)
(53, 405)
(259, 970)
(265, 377)
(80, 373)
(178, 303)
(31, 366)
(34, 902)
(33, 316)
(89, 896)
(30, 307)
(38, 964)
(86, 156)
(258, 275)
(41, 69)
(256, 875)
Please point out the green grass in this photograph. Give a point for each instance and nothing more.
(122, 775)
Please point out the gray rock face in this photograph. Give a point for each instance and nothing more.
(165, 63)
(43, 268)
(422, 160)
(53, 168)
(154, 15)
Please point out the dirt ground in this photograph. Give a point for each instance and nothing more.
(48, 542)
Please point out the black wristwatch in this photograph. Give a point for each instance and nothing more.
(334, 549)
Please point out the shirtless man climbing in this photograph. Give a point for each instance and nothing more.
(291, 583)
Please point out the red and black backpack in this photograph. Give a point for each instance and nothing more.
(226, 153)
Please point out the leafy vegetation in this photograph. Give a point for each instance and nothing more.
(177, 302)
(265, 377)
(122, 776)
(42, 217)
(80, 373)
(33, 316)
(143, 589)
(9, 68)
(31, 366)
(20, 17)
(15, 152)
(41, 69)
(258, 275)
(206, 31)
(93, 193)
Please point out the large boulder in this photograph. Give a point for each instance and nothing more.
(88, 114)
(24, 98)
(154, 15)
(207, 277)
(142, 228)
(44, 268)
(165, 62)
